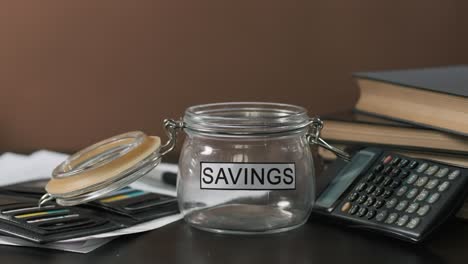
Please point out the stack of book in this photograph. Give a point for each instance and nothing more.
(421, 113)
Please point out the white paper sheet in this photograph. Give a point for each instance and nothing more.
(152, 182)
(9, 164)
(16, 168)
(143, 227)
(77, 247)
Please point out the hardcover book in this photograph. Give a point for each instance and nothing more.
(432, 97)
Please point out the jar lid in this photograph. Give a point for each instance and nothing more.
(102, 168)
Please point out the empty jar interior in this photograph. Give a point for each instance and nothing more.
(244, 143)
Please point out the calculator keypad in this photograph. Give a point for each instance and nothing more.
(454, 174)
(399, 192)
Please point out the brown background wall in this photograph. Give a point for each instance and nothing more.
(75, 72)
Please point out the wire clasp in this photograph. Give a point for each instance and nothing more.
(313, 137)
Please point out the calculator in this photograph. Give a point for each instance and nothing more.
(392, 194)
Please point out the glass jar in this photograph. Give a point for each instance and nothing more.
(244, 168)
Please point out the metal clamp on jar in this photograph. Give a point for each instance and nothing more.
(244, 168)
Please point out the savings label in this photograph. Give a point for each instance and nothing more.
(247, 176)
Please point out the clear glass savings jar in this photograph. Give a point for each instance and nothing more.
(244, 168)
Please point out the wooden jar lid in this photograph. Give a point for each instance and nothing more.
(112, 169)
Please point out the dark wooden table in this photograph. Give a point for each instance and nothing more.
(315, 242)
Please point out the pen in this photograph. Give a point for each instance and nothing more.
(169, 178)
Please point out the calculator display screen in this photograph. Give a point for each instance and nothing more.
(344, 178)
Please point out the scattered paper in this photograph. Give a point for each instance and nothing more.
(77, 247)
(16, 168)
(143, 227)
(153, 182)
